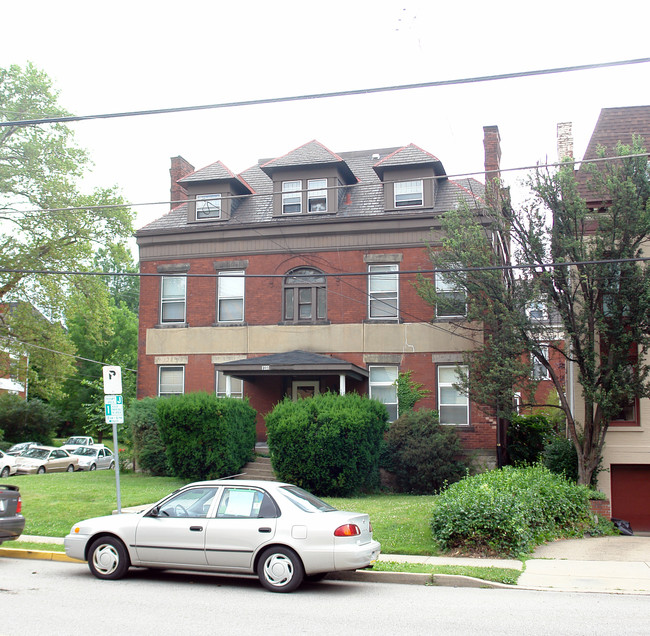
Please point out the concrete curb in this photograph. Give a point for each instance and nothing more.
(41, 555)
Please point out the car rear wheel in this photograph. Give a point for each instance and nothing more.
(280, 569)
(108, 558)
(70, 469)
(41, 470)
(112, 466)
(93, 467)
(5, 472)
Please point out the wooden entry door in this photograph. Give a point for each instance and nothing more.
(304, 389)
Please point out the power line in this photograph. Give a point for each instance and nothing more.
(315, 96)
(489, 268)
(226, 197)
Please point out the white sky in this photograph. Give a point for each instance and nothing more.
(141, 54)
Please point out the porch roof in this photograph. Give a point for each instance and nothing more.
(296, 363)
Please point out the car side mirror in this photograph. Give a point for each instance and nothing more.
(154, 511)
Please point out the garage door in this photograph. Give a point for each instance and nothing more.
(631, 495)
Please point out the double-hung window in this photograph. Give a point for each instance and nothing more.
(540, 372)
(451, 300)
(208, 206)
(172, 299)
(383, 291)
(317, 195)
(305, 296)
(453, 404)
(230, 296)
(408, 193)
(227, 386)
(171, 380)
(383, 387)
(291, 197)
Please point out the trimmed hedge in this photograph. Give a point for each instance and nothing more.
(422, 454)
(206, 437)
(149, 449)
(510, 511)
(329, 444)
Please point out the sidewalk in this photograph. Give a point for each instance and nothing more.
(619, 565)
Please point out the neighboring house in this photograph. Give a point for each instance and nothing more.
(625, 477)
(296, 276)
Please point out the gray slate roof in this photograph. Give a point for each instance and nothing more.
(365, 197)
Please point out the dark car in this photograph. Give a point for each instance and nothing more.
(11, 521)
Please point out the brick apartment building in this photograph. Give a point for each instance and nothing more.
(296, 277)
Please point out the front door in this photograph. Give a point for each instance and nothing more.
(301, 389)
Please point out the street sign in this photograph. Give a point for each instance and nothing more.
(112, 380)
(114, 409)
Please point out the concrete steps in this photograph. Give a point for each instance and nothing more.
(259, 468)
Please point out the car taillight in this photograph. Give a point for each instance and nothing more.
(348, 530)
(19, 505)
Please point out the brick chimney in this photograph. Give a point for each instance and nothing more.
(180, 168)
(492, 146)
(564, 141)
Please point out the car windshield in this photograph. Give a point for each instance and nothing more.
(17, 447)
(76, 440)
(88, 452)
(37, 453)
(305, 500)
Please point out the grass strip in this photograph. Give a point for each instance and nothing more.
(496, 575)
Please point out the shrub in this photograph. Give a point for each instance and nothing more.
(206, 437)
(560, 457)
(329, 444)
(27, 420)
(527, 436)
(149, 451)
(422, 454)
(510, 511)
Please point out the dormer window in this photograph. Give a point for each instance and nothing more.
(208, 206)
(291, 197)
(408, 193)
(317, 195)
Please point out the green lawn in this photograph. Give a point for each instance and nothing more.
(52, 503)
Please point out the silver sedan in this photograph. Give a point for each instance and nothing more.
(277, 531)
(94, 458)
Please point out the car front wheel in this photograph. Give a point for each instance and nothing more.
(41, 470)
(70, 469)
(5, 472)
(92, 467)
(280, 570)
(108, 558)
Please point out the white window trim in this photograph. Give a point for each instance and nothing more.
(235, 273)
(539, 371)
(175, 299)
(160, 371)
(372, 384)
(381, 271)
(292, 193)
(228, 392)
(413, 192)
(316, 193)
(442, 385)
(439, 281)
(207, 199)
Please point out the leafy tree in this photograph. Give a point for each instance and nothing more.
(27, 421)
(45, 222)
(601, 296)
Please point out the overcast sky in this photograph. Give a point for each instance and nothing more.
(141, 54)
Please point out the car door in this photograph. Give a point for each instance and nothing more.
(105, 458)
(173, 534)
(101, 459)
(58, 461)
(245, 519)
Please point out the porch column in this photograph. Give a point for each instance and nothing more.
(342, 384)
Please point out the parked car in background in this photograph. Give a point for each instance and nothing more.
(12, 521)
(78, 440)
(94, 457)
(17, 449)
(275, 530)
(7, 465)
(46, 459)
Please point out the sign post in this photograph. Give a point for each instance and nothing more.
(114, 412)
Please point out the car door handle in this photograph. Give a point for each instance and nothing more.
(265, 529)
(196, 528)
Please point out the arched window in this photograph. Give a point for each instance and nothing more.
(305, 295)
